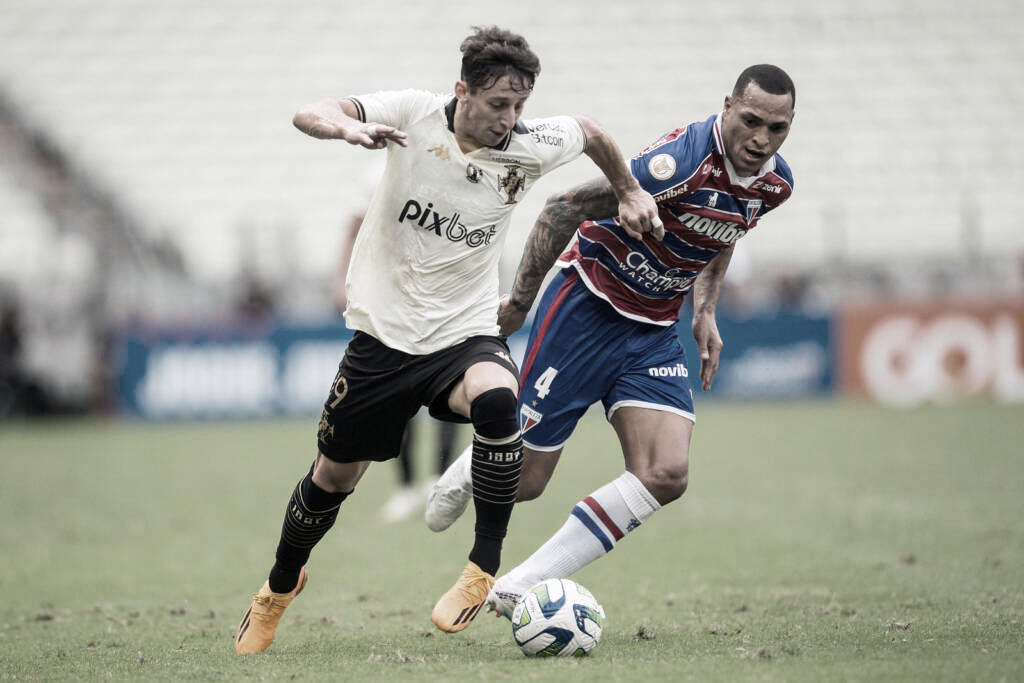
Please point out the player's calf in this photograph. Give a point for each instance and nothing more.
(496, 465)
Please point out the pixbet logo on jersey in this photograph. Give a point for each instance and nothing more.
(448, 227)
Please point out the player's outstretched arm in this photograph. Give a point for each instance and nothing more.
(706, 290)
(337, 120)
(637, 210)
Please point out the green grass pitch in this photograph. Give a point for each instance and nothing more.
(819, 541)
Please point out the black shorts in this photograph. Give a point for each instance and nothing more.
(378, 390)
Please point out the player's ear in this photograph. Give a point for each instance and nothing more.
(461, 90)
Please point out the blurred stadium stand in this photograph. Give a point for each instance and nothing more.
(149, 170)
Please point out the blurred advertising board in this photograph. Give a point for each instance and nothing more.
(931, 352)
(227, 372)
(233, 372)
(766, 356)
(286, 370)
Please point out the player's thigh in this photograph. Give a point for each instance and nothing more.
(656, 447)
(568, 368)
(370, 402)
(457, 375)
(480, 377)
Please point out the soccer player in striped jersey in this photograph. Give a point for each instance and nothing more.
(605, 326)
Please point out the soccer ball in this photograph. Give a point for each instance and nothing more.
(557, 618)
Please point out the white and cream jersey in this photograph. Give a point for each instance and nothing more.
(424, 268)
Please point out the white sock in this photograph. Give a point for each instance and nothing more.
(596, 524)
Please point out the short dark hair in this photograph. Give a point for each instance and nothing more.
(769, 78)
(492, 52)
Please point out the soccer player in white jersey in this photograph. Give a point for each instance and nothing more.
(423, 299)
(605, 326)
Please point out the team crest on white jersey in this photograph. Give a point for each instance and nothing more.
(513, 183)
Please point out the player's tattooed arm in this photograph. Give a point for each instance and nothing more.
(551, 233)
(553, 230)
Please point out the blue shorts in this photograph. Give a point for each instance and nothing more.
(582, 351)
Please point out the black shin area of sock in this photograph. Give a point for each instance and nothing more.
(310, 515)
(496, 465)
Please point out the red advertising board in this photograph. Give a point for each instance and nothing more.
(934, 351)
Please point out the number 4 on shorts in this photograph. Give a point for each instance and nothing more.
(543, 383)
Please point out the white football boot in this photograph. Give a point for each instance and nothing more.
(451, 494)
(503, 597)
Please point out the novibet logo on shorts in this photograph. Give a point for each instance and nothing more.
(677, 370)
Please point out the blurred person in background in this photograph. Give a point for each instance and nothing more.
(422, 297)
(257, 300)
(21, 393)
(605, 330)
(408, 499)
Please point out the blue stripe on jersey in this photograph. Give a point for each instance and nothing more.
(592, 526)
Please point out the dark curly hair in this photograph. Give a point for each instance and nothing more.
(492, 52)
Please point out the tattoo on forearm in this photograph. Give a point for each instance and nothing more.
(555, 227)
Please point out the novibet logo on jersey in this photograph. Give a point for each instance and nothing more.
(448, 227)
(725, 232)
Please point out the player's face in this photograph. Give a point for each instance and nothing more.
(485, 116)
(754, 126)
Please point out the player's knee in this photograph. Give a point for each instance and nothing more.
(667, 482)
(493, 414)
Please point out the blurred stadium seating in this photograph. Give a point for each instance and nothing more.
(907, 149)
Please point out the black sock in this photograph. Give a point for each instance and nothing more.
(497, 463)
(311, 513)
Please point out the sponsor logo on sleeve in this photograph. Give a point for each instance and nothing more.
(549, 134)
(662, 166)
